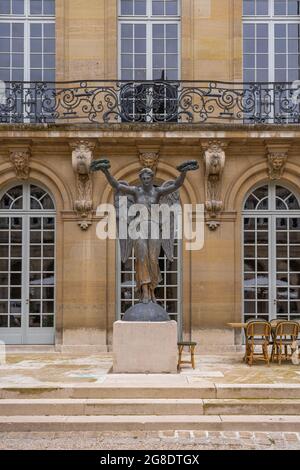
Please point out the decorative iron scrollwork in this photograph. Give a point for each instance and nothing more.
(149, 102)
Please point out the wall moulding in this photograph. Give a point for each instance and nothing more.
(82, 156)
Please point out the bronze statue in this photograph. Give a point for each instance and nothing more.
(146, 249)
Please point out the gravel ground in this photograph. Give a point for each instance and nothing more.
(163, 440)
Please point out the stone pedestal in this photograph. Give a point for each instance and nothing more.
(145, 347)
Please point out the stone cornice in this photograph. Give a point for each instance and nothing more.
(140, 132)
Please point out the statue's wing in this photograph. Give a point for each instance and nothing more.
(170, 199)
(120, 206)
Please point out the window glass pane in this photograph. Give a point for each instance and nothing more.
(157, 8)
(280, 7)
(49, 7)
(4, 45)
(140, 30)
(17, 30)
(17, 45)
(36, 30)
(49, 30)
(4, 60)
(126, 7)
(5, 7)
(127, 30)
(262, 7)
(4, 30)
(36, 7)
(248, 7)
(171, 7)
(140, 7)
(294, 7)
(18, 7)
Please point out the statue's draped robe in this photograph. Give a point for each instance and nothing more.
(147, 251)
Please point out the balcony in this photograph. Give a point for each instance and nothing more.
(179, 102)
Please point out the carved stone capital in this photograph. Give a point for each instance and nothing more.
(214, 161)
(82, 156)
(20, 158)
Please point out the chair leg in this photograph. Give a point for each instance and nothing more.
(193, 356)
(273, 352)
(286, 352)
(265, 353)
(180, 349)
(279, 353)
(250, 357)
(246, 357)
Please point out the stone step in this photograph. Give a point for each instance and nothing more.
(187, 391)
(148, 406)
(280, 423)
(95, 407)
(109, 392)
(252, 406)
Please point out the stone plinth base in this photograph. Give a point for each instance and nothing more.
(145, 347)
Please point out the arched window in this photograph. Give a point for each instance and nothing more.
(271, 247)
(27, 265)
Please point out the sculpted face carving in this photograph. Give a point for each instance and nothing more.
(277, 163)
(149, 160)
(82, 158)
(20, 161)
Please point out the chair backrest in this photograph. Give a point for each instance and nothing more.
(258, 328)
(287, 328)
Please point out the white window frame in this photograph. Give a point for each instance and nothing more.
(27, 19)
(271, 20)
(271, 214)
(26, 334)
(149, 20)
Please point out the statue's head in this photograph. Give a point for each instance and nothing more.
(146, 176)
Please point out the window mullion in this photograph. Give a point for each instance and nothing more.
(271, 51)
(27, 51)
(149, 54)
(149, 8)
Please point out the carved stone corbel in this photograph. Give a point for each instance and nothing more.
(20, 158)
(214, 160)
(149, 157)
(82, 156)
(277, 155)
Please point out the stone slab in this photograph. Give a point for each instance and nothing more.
(145, 347)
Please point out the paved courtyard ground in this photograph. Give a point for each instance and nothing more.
(54, 368)
(35, 368)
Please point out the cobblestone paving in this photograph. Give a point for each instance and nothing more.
(163, 440)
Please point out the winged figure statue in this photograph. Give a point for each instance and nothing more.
(146, 249)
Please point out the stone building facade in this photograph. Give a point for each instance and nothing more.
(184, 63)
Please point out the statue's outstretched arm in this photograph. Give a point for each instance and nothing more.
(190, 165)
(117, 185)
(176, 184)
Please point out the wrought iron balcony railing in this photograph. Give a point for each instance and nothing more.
(150, 102)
